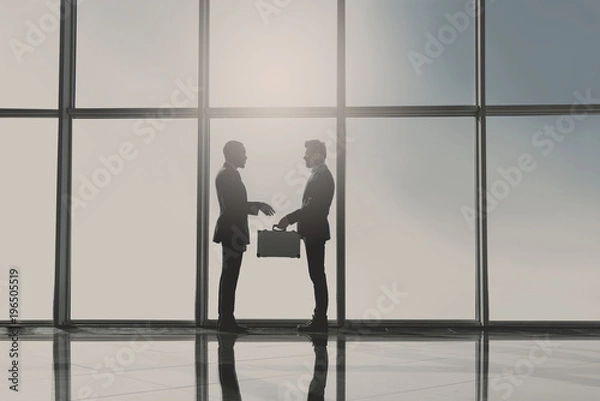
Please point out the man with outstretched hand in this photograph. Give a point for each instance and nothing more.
(232, 229)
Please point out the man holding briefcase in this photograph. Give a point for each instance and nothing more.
(313, 227)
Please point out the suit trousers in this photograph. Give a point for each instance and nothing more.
(232, 261)
(315, 255)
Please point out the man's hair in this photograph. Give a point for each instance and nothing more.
(316, 146)
(231, 148)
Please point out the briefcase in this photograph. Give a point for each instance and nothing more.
(278, 243)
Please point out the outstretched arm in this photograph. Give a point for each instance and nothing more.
(255, 207)
(230, 196)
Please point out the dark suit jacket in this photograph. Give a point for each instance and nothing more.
(316, 201)
(232, 224)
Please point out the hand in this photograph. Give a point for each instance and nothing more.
(283, 223)
(266, 209)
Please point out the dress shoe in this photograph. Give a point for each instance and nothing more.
(232, 327)
(316, 325)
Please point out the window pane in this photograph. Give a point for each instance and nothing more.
(137, 53)
(410, 251)
(410, 52)
(29, 54)
(134, 219)
(275, 173)
(28, 214)
(544, 219)
(545, 54)
(273, 53)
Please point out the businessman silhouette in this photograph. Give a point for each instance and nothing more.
(231, 229)
(313, 227)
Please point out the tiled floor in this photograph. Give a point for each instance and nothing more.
(170, 365)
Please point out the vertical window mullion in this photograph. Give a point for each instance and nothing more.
(62, 281)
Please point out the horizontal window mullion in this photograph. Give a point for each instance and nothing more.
(29, 113)
(272, 112)
(158, 113)
(541, 110)
(317, 112)
(411, 111)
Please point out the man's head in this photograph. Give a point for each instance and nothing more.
(235, 153)
(316, 152)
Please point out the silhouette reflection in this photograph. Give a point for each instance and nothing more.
(230, 387)
(316, 391)
(278, 374)
(227, 375)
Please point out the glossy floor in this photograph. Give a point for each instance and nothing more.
(144, 364)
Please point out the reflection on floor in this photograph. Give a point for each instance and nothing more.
(269, 364)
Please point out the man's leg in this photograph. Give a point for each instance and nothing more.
(315, 255)
(232, 261)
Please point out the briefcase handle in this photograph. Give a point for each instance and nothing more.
(275, 228)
